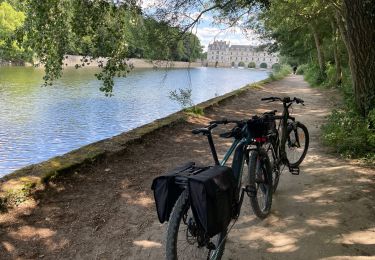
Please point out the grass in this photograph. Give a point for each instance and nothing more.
(349, 133)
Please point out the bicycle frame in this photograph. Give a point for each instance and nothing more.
(240, 150)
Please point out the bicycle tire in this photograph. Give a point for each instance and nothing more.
(274, 167)
(174, 229)
(295, 154)
(260, 179)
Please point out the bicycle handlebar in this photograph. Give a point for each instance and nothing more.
(204, 130)
(225, 121)
(284, 100)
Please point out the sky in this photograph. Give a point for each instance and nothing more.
(208, 32)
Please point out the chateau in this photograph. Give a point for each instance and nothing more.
(222, 54)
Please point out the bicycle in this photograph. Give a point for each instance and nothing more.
(184, 237)
(291, 150)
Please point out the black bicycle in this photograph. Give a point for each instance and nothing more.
(287, 144)
(185, 237)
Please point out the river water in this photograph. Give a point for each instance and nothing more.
(37, 123)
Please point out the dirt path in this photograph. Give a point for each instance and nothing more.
(107, 211)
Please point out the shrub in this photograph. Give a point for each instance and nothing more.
(263, 65)
(350, 134)
(314, 75)
(251, 65)
(281, 72)
(233, 64)
(276, 67)
(301, 69)
(241, 64)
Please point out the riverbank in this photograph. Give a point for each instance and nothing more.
(17, 186)
(73, 60)
(105, 210)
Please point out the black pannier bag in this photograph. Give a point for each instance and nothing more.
(261, 126)
(166, 191)
(211, 197)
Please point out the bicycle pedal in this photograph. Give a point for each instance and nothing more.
(294, 170)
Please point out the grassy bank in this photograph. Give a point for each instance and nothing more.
(349, 133)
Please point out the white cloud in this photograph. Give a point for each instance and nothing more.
(233, 35)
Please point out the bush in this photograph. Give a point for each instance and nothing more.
(301, 69)
(241, 64)
(276, 67)
(233, 64)
(313, 75)
(279, 73)
(350, 134)
(263, 65)
(251, 65)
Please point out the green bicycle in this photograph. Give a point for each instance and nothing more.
(185, 237)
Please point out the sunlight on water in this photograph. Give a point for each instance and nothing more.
(37, 123)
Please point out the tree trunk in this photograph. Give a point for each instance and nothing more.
(318, 45)
(338, 76)
(360, 38)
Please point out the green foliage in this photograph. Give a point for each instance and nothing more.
(351, 134)
(194, 111)
(313, 74)
(263, 65)
(113, 29)
(182, 96)
(251, 65)
(301, 69)
(241, 64)
(276, 67)
(10, 21)
(280, 72)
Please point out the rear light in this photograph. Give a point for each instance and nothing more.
(261, 139)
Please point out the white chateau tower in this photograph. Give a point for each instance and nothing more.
(222, 54)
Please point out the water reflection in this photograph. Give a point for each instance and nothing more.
(37, 123)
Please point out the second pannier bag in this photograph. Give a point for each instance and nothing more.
(211, 197)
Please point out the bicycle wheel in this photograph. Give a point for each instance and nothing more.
(274, 167)
(297, 144)
(260, 180)
(184, 239)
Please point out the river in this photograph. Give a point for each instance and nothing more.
(37, 123)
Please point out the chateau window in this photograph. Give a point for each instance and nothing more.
(252, 58)
(270, 59)
(264, 59)
(217, 52)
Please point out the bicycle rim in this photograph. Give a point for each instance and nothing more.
(186, 242)
(295, 145)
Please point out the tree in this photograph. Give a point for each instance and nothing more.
(356, 21)
(10, 21)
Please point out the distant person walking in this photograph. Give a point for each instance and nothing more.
(294, 69)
